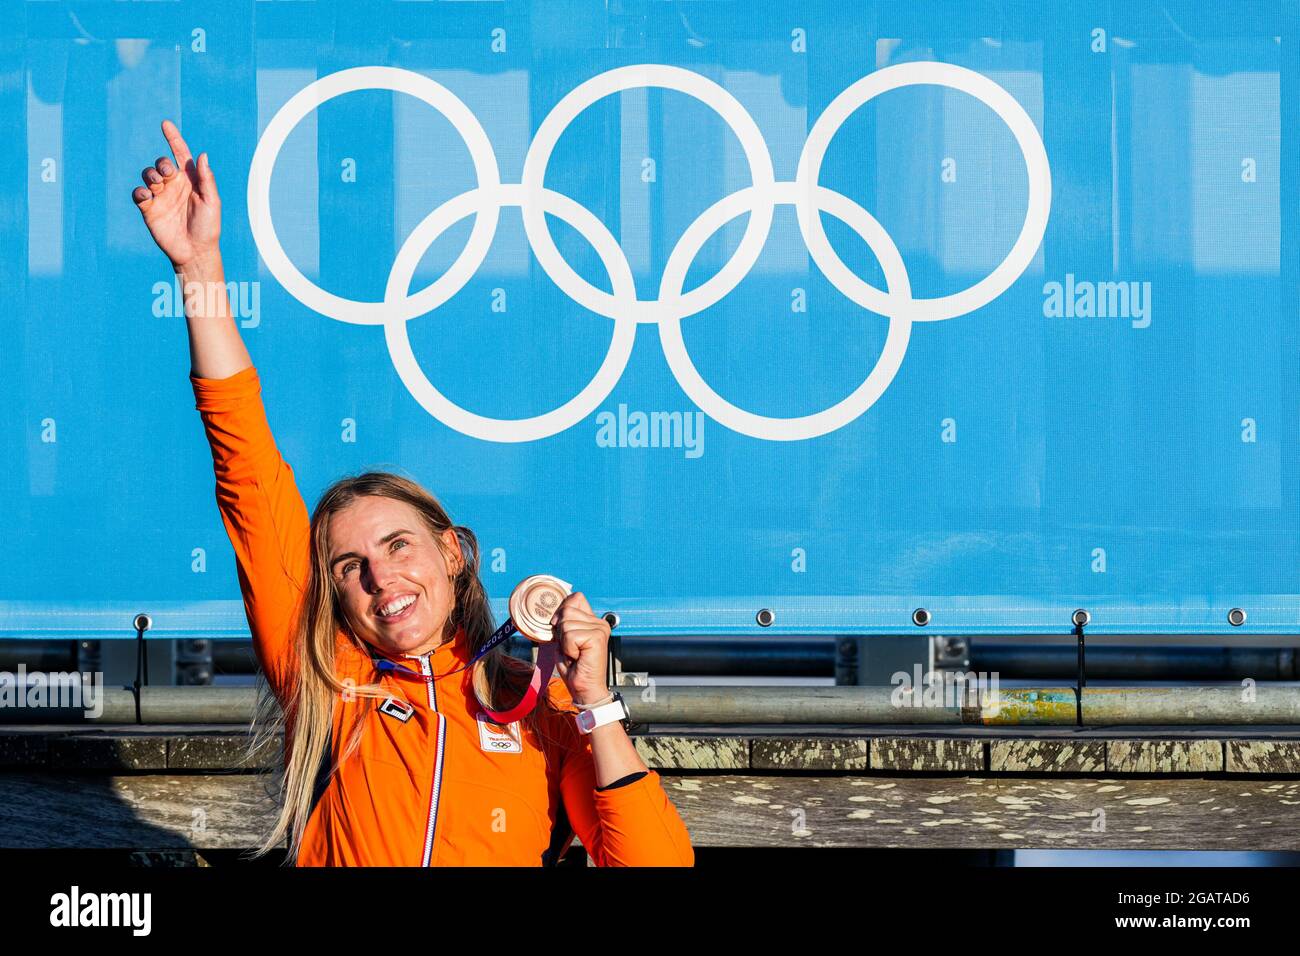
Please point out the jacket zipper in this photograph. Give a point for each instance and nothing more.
(434, 794)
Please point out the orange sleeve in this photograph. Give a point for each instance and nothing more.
(264, 515)
(632, 825)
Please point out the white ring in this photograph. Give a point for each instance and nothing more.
(259, 194)
(1031, 145)
(516, 429)
(807, 426)
(615, 81)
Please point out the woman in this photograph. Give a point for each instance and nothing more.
(365, 619)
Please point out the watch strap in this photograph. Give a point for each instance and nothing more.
(589, 720)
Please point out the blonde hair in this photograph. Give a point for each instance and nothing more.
(305, 719)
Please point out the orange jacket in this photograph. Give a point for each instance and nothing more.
(441, 787)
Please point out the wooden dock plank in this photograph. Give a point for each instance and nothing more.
(225, 811)
(963, 812)
(1263, 756)
(1047, 756)
(693, 753)
(217, 752)
(108, 752)
(1164, 756)
(927, 754)
(149, 811)
(809, 753)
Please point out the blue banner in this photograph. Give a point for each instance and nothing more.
(741, 317)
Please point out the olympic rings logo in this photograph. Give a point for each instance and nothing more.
(673, 303)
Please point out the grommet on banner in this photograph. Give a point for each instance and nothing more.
(765, 617)
(1080, 619)
(920, 617)
(1236, 617)
(141, 623)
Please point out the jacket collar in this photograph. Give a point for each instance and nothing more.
(446, 656)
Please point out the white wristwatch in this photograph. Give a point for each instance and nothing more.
(589, 720)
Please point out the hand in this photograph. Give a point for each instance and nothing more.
(583, 645)
(179, 203)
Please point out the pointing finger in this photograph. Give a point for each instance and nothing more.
(177, 143)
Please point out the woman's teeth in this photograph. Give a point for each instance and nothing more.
(396, 609)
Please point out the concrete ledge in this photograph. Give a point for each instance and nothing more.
(1047, 756)
(809, 753)
(223, 749)
(1164, 756)
(924, 755)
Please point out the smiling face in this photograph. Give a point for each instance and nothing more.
(393, 579)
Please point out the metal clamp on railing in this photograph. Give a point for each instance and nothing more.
(141, 624)
(614, 667)
(616, 676)
(1080, 619)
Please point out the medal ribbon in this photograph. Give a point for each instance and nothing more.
(542, 671)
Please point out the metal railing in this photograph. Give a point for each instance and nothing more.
(815, 657)
(720, 706)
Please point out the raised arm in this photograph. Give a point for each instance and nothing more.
(183, 212)
(261, 507)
